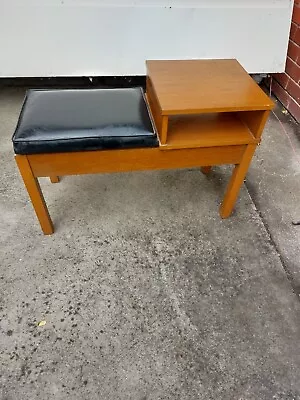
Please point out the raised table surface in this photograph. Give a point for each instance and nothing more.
(204, 86)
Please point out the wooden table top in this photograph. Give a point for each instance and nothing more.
(204, 86)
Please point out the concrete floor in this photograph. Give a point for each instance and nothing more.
(147, 294)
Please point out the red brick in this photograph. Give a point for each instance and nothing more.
(297, 36)
(294, 90)
(294, 109)
(281, 94)
(293, 70)
(294, 51)
(289, 103)
(294, 29)
(283, 79)
(296, 14)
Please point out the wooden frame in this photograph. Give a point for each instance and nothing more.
(91, 162)
(206, 113)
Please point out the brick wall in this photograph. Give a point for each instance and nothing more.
(286, 86)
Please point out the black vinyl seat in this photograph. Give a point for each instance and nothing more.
(67, 120)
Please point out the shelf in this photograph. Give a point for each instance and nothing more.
(205, 86)
(206, 130)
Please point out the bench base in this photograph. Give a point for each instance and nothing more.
(54, 165)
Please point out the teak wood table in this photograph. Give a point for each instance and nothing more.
(210, 105)
(205, 113)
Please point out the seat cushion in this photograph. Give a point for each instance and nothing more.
(83, 119)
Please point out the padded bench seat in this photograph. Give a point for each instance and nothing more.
(68, 120)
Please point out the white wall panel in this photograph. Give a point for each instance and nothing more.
(101, 37)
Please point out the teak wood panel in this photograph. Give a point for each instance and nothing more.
(236, 182)
(54, 179)
(154, 106)
(207, 130)
(255, 121)
(90, 162)
(200, 86)
(35, 194)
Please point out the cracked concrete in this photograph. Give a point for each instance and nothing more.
(273, 182)
(146, 293)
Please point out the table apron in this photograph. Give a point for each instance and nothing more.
(92, 162)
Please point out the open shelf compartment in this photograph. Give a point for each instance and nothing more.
(206, 130)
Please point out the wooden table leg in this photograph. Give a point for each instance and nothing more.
(54, 179)
(35, 194)
(206, 170)
(236, 181)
